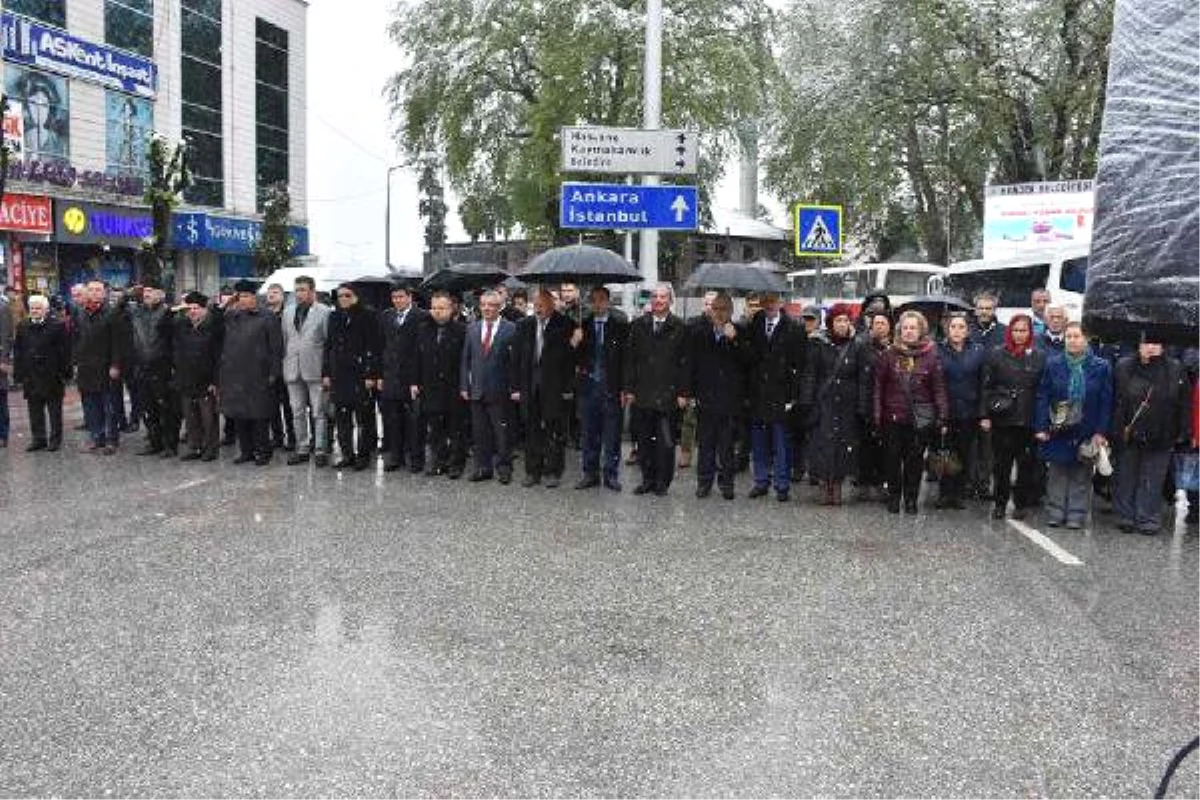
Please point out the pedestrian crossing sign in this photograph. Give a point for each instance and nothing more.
(818, 231)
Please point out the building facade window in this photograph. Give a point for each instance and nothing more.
(129, 122)
(270, 107)
(203, 111)
(52, 12)
(45, 105)
(129, 24)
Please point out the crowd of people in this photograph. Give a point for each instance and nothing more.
(849, 394)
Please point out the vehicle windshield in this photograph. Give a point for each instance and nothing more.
(847, 285)
(1074, 275)
(1012, 286)
(902, 282)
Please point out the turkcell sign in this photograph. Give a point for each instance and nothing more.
(619, 206)
(36, 44)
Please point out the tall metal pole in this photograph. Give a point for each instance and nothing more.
(387, 222)
(652, 99)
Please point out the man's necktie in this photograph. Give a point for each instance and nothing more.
(487, 338)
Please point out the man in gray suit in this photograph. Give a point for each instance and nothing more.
(483, 382)
(305, 328)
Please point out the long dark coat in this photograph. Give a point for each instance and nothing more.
(42, 358)
(438, 365)
(654, 364)
(398, 362)
(776, 372)
(196, 354)
(351, 354)
(555, 373)
(251, 363)
(715, 371)
(103, 340)
(839, 385)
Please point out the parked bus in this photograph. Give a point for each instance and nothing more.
(1062, 271)
(850, 284)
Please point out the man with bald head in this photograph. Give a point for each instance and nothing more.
(42, 364)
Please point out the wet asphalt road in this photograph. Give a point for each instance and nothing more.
(174, 629)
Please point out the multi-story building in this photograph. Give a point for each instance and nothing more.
(90, 81)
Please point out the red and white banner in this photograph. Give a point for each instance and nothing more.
(26, 213)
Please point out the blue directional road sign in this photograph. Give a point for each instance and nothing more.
(819, 231)
(619, 206)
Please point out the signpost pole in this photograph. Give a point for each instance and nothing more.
(648, 262)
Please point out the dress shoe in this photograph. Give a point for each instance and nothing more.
(1054, 523)
(262, 461)
(1072, 525)
(209, 457)
(169, 452)
(454, 473)
(703, 491)
(1148, 531)
(433, 471)
(362, 462)
(893, 505)
(90, 447)
(643, 488)
(504, 477)
(297, 458)
(416, 469)
(149, 450)
(531, 481)
(478, 477)
(588, 482)
(998, 512)
(33, 447)
(910, 507)
(783, 497)
(660, 491)
(1019, 513)
(612, 484)
(242, 458)
(53, 447)
(552, 482)
(728, 494)
(758, 491)
(108, 450)
(289, 447)
(191, 455)
(321, 459)
(1127, 527)
(392, 466)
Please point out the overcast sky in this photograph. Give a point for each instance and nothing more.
(350, 147)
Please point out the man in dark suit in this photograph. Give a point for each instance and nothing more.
(542, 378)
(483, 382)
(653, 367)
(601, 375)
(442, 410)
(714, 378)
(402, 431)
(777, 345)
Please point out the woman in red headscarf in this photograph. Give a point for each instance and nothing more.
(1008, 395)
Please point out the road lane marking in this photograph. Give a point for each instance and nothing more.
(1046, 543)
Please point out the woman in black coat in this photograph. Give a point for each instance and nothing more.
(1008, 395)
(836, 393)
(351, 368)
(42, 365)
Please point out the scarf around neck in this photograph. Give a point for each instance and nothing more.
(1076, 384)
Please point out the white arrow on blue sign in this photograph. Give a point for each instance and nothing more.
(619, 206)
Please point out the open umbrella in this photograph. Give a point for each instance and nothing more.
(579, 263)
(464, 277)
(736, 278)
(935, 304)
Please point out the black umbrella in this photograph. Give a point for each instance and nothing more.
(464, 277)
(579, 263)
(935, 304)
(735, 277)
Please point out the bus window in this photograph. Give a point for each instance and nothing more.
(904, 282)
(1011, 286)
(1074, 275)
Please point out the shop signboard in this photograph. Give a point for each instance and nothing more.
(194, 230)
(26, 213)
(94, 223)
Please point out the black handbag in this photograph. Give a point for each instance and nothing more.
(924, 415)
(1000, 403)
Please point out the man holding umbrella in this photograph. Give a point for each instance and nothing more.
(542, 380)
(777, 345)
(653, 369)
(601, 365)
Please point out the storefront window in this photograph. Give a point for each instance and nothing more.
(130, 122)
(52, 12)
(200, 66)
(129, 24)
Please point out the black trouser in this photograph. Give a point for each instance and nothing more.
(445, 434)
(489, 432)
(545, 440)
(403, 434)
(362, 413)
(872, 459)
(904, 457)
(714, 438)
(39, 409)
(1011, 445)
(254, 437)
(654, 432)
(283, 427)
(798, 427)
(962, 439)
(160, 408)
(203, 424)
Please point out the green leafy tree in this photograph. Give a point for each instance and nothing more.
(168, 176)
(488, 85)
(432, 208)
(275, 246)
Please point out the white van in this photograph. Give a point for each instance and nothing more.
(327, 277)
(1061, 271)
(900, 281)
